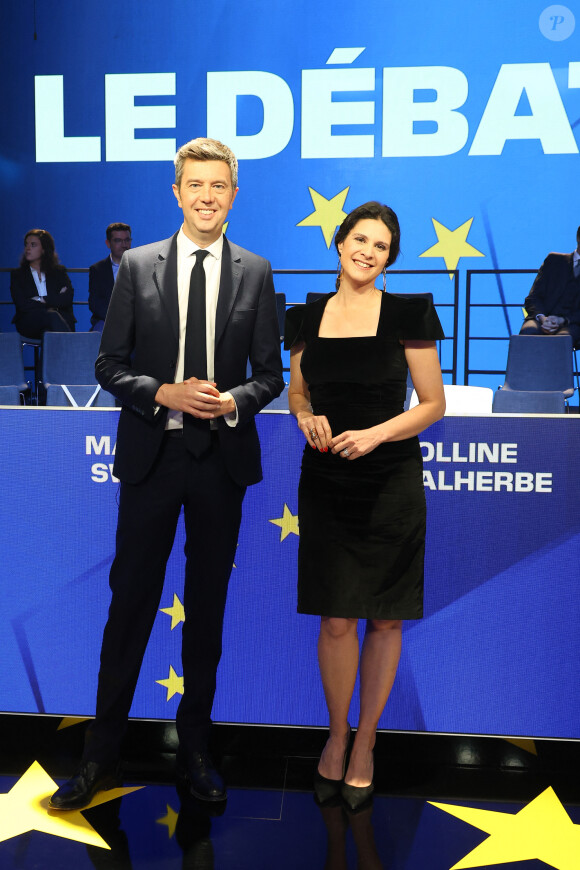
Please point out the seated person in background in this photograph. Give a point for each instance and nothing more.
(553, 304)
(41, 289)
(102, 274)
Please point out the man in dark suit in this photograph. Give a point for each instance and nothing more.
(553, 304)
(185, 317)
(102, 274)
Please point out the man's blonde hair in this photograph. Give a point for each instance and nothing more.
(205, 149)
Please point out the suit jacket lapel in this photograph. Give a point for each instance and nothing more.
(110, 273)
(165, 278)
(31, 282)
(230, 279)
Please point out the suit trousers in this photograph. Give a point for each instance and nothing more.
(532, 327)
(148, 517)
(34, 323)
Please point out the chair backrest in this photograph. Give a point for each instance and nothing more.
(540, 363)
(312, 297)
(529, 402)
(10, 396)
(463, 401)
(11, 365)
(281, 312)
(69, 357)
(79, 396)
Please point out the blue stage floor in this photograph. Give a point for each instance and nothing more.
(499, 804)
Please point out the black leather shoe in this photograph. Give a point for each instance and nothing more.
(80, 789)
(204, 781)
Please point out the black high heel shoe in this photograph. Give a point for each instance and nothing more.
(326, 789)
(356, 796)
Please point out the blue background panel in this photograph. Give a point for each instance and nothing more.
(496, 652)
(483, 101)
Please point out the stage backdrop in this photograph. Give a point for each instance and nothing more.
(497, 651)
(462, 116)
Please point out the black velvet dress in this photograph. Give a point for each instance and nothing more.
(361, 521)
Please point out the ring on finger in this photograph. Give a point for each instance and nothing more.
(345, 452)
(313, 434)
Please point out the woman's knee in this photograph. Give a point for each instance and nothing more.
(384, 624)
(336, 627)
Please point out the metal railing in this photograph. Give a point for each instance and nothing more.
(454, 305)
(450, 369)
(502, 305)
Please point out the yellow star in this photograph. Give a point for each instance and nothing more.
(452, 244)
(523, 743)
(69, 721)
(287, 522)
(176, 612)
(224, 228)
(25, 808)
(173, 684)
(542, 830)
(170, 820)
(327, 214)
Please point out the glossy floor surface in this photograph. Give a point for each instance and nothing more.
(440, 803)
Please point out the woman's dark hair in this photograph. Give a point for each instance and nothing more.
(372, 211)
(49, 259)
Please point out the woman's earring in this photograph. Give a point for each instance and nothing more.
(384, 280)
(338, 275)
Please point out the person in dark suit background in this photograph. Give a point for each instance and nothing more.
(41, 289)
(553, 304)
(187, 437)
(103, 273)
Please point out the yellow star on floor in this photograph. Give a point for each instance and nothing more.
(173, 684)
(69, 721)
(523, 743)
(542, 830)
(327, 214)
(176, 612)
(452, 244)
(25, 808)
(287, 522)
(169, 820)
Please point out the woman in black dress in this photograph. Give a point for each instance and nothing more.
(361, 501)
(41, 289)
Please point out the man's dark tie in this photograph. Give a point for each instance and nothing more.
(577, 268)
(196, 431)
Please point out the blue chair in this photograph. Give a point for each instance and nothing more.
(528, 402)
(312, 297)
(537, 365)
(36, 345)
(13, 384)
(68, 370)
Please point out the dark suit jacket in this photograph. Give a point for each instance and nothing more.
(23, 290)
(100, 288)
(140, 343)
(549, 289)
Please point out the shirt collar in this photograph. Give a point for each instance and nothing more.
(576, 257)
(186, 248)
